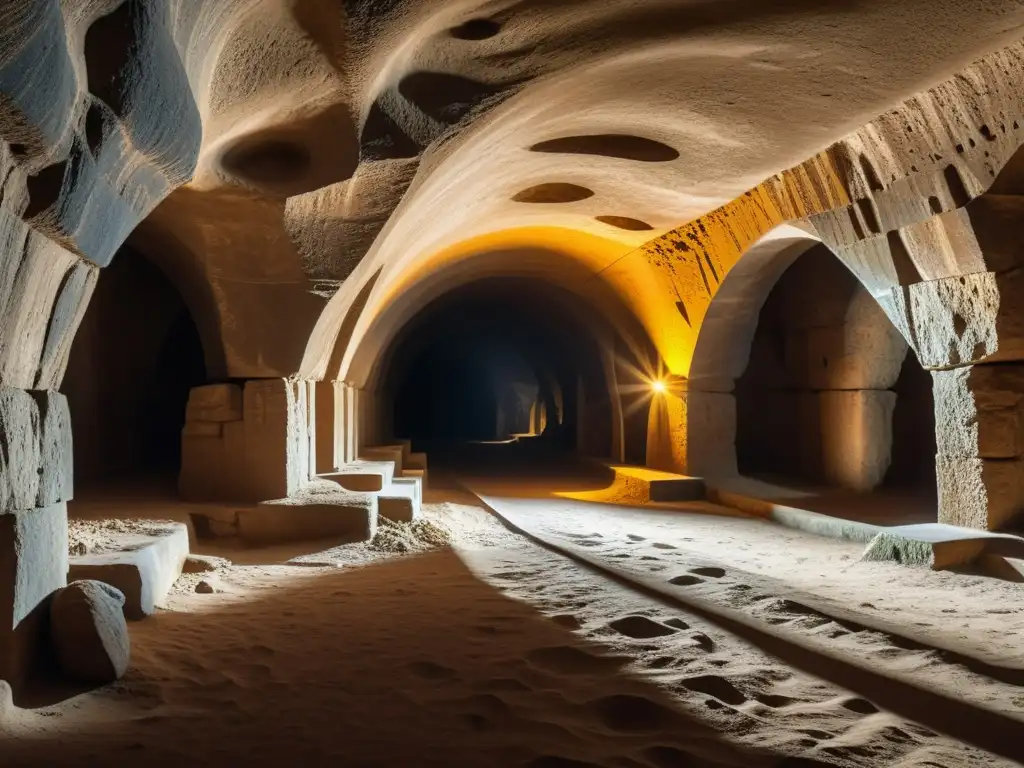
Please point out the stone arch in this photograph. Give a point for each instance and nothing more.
(594, 306)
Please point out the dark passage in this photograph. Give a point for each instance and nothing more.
(134, 359)
(496, 359)
(448, 396)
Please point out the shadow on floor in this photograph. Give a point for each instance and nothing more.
(407, 662)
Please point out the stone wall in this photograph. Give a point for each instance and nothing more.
(815, 400)
(35, 484)
(246, 442)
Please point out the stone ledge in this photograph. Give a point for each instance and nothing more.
(655, 485)
(144, 568)
(363, 476)
(938, 546)
(322, 510)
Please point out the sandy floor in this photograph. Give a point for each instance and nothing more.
(496, 652)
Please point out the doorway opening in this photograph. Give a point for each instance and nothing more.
(135, 358)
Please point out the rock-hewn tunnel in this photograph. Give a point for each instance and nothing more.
(276, 272)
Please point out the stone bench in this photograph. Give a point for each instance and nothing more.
(363, 476)
(644, 484)
(392, 453)
(144, 566)
(400, 502)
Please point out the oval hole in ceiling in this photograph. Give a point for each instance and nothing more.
(556, 192)
(619, 145)
(475, 29)
(625, 222)
(268, 162)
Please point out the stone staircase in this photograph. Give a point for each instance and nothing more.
(393, 473)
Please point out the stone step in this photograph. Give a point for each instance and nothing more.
(419, 474)
(655, 485)
(939, 546)
(290, 520)
(144, 566)
(415, 482)
(393, 453)
(400, 502)
(415, 461)
(363, 476)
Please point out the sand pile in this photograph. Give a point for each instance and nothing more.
(418, 536)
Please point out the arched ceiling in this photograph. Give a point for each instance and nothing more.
(340, 138)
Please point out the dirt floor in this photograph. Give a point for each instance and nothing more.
(493, 651)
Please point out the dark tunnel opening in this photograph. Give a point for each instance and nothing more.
(501, 359)
(135, 358)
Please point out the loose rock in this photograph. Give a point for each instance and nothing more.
(89, 633)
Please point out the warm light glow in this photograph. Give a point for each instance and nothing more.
(658, 386)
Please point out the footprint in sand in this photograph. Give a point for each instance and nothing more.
(685, 580)
(568, 660)
(678, 624)
(710, 571)
(641, 627)
(860, 706)
(661, 545)
(432, 671)
(719, 687)
(634, 537)
(775, 701)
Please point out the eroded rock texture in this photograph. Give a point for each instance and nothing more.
(311, 174)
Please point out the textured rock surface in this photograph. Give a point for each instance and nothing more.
(33, 563)
(89, 632)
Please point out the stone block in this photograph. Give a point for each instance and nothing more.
(419, 474)
(328, 426)
(954, 319)
(979, 493)
(856, 437)
(22, 458)
(349, 520)
(968, 319)
(642, 485)
(214, 402)
(979, 411)
(392, 453)
(398, 503)
(415, 483)
(276, 448)
(866, 352)
(938, 547)
(33, 565)
(143, 569)
(711, 426)
(363, 476)
(56, 452)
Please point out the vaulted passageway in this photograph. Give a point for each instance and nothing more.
(831, 395)
(504, 358)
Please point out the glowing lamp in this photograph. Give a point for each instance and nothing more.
(658, 386)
